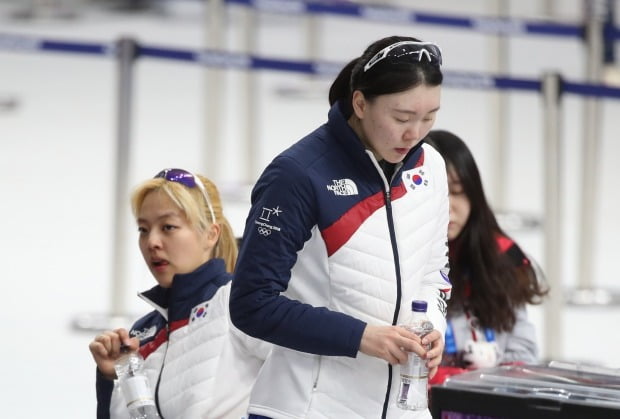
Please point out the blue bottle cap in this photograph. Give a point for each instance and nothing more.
(419, 305)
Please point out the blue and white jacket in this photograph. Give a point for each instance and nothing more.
(331, 245)
(198, 364)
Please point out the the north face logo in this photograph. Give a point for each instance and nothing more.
(144, 333)
(343, 187)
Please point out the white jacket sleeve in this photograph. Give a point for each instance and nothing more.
(241, 360)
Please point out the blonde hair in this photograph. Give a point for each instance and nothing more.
(193, 204)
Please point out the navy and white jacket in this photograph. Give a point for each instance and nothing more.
(197, 363)
(331, 245)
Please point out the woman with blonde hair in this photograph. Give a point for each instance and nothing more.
(197, 363)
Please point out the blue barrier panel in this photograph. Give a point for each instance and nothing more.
(12, 42)
(74, 47)
(237, 61)
(591, 90)
(482, 81)
(166, 53)
(518, 84)
(392, 14)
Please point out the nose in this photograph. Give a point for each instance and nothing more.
(153, 240)
(412, 133)
(452, 206)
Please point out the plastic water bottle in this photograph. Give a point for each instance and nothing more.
(135, 386)
(413, 393)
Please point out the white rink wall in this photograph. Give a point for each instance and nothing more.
(57, 151)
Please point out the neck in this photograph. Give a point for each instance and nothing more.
(356, 125)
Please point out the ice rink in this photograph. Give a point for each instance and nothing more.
(58, 132)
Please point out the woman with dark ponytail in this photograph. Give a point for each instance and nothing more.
(347, 227)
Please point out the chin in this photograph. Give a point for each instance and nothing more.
(164, 282)
(396, 159)
(452, 234)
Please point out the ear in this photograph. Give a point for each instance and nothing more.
(359, 104)
(211, 236)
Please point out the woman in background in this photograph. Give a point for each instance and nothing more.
(492, 279)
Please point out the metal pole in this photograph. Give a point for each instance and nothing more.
(250, 130)
(551, 89)
(118, 316)
(595, 11)
(126, 55)
(312, 25)
(500, 105)
(214, 87)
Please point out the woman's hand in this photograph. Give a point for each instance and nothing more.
(392, 343)
(106, 349)
(434, 355)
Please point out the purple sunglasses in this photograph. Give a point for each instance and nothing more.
(187, 179)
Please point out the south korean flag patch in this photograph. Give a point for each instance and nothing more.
(416, 178)
(199, 312)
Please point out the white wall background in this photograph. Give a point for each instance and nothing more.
(57, 156)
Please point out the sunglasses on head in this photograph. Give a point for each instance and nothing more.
(407, 51)
(187, 179)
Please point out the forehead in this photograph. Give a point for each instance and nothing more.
(158, 204)
(421, 99)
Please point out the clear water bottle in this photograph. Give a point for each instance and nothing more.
(413, 392)
(135, 386)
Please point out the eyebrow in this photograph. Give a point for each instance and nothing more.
(414, 112)
(163, 216)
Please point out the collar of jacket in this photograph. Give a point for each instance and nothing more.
(188, 290)
(349, 140)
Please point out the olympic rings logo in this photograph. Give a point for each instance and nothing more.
(264, 231)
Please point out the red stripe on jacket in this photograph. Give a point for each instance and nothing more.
(161, 337)
(337, 234)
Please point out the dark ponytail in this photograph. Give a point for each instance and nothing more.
(340, 89)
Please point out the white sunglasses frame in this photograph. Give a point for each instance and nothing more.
(379, 56)
(206, 195)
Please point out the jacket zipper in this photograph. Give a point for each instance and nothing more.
(161, 371)
(387, 195)
(388, 207)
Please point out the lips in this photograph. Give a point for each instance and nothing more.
(159, 264)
